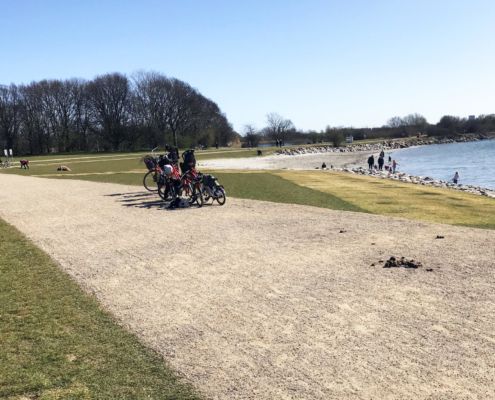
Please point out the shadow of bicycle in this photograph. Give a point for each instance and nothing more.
(147, 200)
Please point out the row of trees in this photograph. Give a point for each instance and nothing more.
(410, 125)
(109, 113)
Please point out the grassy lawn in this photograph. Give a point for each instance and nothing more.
(56, 342)
(387, 197)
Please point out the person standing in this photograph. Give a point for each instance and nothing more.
(455, 179)
(381, 161)
(371, 162)
(394, 166)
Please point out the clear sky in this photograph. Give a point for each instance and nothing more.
(348, 62)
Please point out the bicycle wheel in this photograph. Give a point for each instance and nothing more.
(149, 181)
(198, 193)
(206, 196)
(189, 192)
(221, 196)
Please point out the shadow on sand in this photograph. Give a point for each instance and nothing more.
(149, 200)
(140, 200)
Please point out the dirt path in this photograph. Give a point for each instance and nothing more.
(259, 300)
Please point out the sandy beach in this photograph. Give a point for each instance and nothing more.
(301, 161)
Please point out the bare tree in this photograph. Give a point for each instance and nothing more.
(278, 127)
(109, 99)
(251, 135)
(411, 120)
(415, 120)
(10, 118)
(395, 122)
(108, 113)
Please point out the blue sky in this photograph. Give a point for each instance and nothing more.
(353, 63)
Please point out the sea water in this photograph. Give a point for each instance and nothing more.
(475, 162)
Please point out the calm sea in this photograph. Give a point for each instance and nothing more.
(475, 162)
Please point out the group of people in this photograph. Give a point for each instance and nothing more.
(391, 166)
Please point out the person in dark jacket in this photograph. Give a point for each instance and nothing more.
(371, 162)
(189, 161)
(381, 161)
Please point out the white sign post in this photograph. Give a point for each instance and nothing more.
(11, 153)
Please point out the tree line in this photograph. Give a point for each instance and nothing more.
(112, 112)
(280, 128)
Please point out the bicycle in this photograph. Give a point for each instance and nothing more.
(150, 179)
(191, 184)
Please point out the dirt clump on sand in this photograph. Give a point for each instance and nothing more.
(394, 262)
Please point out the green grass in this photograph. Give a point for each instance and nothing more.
(387, 197)
(270, 187)
(56, 342)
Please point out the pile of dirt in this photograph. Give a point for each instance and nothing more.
(394, 262)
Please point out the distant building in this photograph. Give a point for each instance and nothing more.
(349, 139)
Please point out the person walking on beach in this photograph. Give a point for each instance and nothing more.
(455, 179)
(382, 154)
(394, 166)
(371, 162)
(381, 161)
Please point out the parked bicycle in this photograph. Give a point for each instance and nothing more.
(150, 179)
(212, 190)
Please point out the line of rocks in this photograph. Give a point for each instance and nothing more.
(420, 180)
(383, 145)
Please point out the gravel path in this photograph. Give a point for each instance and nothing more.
(258, 300)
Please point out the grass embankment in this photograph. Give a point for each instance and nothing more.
(56, 342)
(387, 197)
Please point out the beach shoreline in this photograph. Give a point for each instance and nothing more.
(350, 159)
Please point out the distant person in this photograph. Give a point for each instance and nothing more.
(172, 153)
(455, 179)
(277, 143)
(394, 166)
(216, 145)
(382, 154)
(381, 161)
(389, 159)
(371, 162)
(323, 166)
(189, 161)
